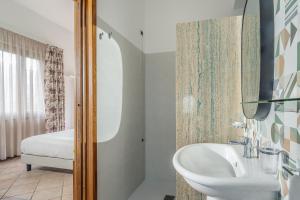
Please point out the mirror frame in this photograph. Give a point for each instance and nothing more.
(267, 58)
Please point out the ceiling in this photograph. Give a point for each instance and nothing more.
(59, 12)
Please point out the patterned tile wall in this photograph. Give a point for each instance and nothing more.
(282, 126)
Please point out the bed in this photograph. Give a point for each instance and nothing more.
(49, 150)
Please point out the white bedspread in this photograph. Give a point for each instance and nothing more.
(55, 145)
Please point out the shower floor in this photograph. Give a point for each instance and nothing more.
(154, 190)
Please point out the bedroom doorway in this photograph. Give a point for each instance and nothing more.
(38, 148)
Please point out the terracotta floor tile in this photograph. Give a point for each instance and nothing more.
(20, 197)
(67, 197)
(5, 176)
(67, 190)
(68, 179)
(6, 183)
(2, 192)
(44, 184)
(27, 180)
(39, 184)
(32, 173)
(21, 189)
(50, 193)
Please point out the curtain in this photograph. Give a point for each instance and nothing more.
(22, 111)
(54, 89)
(70, 92)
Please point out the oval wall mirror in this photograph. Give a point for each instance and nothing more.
(257, 58)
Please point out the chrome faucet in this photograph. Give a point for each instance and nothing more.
(248, 147)
(292, 170)
(246, 142)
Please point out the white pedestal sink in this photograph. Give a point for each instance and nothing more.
(219, 171)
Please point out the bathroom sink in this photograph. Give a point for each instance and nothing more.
(219, 171)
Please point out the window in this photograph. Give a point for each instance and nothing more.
(22, 80)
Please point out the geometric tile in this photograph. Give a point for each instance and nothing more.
(278, 6)
(277, 48)
(285, 36)
(275, 133)
(277, 119)
(283, 136)
(286, 145)
(298, 81)
(293, 32)
(291, 106)
(275, 85)
(287, 86)
(263, 130)
(285, 130)
(298, 56)
(295, 149)
(295, 137)
(290, 121)
(279, 66)
(292, 162)
(290, 83)
(291, 10)
(284, 185)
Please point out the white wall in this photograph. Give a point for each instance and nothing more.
(160, 116)
(161, 17)
(20, 19)
(60, 12)
(158, 18)
(121, 160)
(126, 17)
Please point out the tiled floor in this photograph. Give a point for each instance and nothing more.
(39, 184)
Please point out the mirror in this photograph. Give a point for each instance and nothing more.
(257, 58)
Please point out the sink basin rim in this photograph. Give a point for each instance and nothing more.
(268, 183)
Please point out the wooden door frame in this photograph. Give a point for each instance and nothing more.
(85, 159)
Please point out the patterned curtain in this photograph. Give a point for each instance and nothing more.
(54, 89)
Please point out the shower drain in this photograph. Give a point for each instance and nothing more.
(169, 197)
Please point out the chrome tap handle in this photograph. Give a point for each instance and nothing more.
(285, 165)
(247, 146)
(245, 141)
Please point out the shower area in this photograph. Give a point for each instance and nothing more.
(151, 102)
(120, 114)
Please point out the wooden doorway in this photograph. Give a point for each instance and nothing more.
(85, 162)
